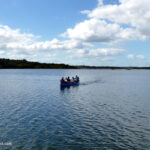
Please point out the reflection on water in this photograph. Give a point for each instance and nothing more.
(98, 81)
(108, 110)
(65, 88)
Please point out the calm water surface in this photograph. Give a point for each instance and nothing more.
(109, 110)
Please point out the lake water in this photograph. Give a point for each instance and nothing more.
(109, 110)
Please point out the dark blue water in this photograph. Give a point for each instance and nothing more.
(109, 110)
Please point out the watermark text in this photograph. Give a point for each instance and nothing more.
(5, 144)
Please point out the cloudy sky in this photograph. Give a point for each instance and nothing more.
(82, 32)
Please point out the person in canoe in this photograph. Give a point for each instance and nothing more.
(62, 80)
(73, 79)
(77, 78)
(68, 79)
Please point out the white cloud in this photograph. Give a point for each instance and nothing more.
(14, 42)
(140, 56)
(95, 30)
(59, 45)
(106, 52)
(129, 20)
(108, 24)
(135, 13)
(103, 53)
(132, 56)
(2, 52)
(14, 35)
(85, 12)
(100, 2)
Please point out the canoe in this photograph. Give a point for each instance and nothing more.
(62, 84)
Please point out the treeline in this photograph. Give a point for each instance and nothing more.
(11, 63)
(112, 67)
(24, 64)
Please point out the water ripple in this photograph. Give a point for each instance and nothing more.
(103, 112)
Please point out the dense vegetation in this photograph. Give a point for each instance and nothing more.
(112, 67)
(11, 63)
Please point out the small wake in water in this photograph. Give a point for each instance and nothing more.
(91, 82)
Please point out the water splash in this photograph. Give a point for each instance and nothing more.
(91, 82)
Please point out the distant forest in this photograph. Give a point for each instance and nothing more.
(24, 64)
(11, 63)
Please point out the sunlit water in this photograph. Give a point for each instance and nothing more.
(109, 110)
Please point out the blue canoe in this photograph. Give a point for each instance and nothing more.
(62, 84)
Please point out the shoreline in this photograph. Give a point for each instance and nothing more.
(24, 64)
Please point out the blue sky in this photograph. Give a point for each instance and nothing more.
(45, 18)
(82, 32)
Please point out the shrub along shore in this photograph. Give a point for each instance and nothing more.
(24, 64)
